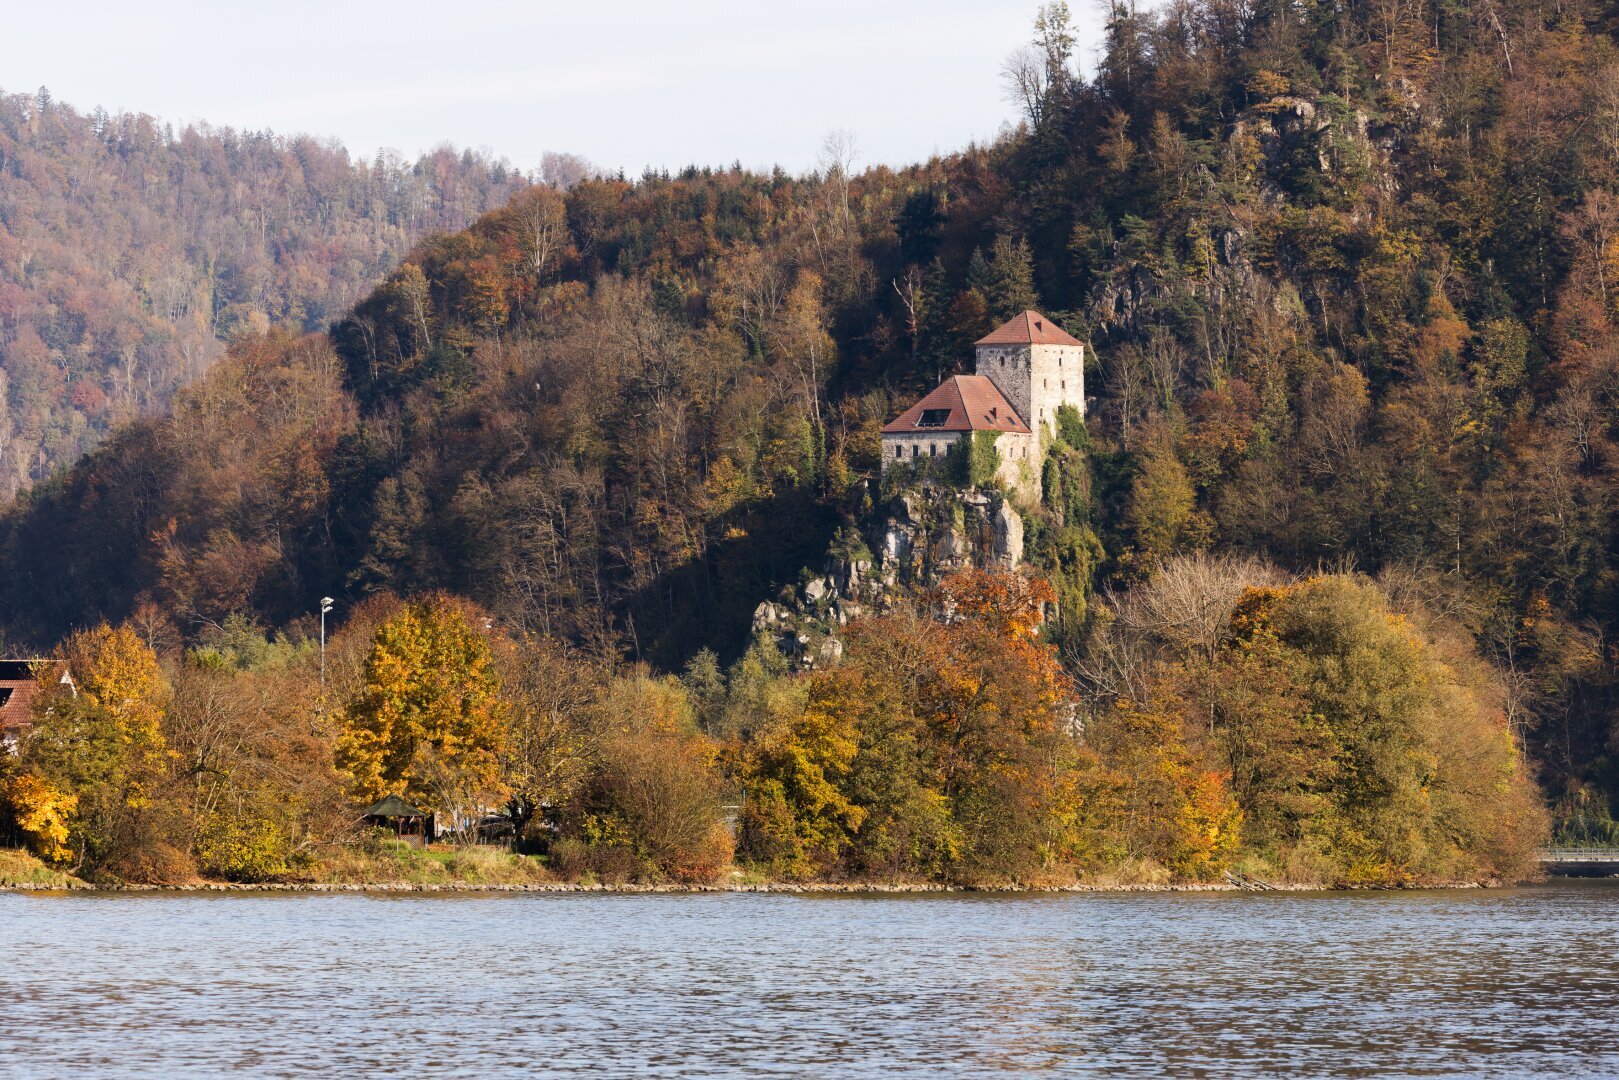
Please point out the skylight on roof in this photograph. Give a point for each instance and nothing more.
(934, 418)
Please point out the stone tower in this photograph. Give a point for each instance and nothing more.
(1040, 367)
(1027, 370)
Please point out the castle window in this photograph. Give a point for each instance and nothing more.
(899, 451)
(934, 418)
(1065, 384)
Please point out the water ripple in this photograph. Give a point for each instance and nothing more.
(1505, 983)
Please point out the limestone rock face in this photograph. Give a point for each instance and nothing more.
(1008, 536)
(950, 547)
(919, 539)
(765, 617)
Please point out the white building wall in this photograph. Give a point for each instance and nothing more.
(1020, 459)
(1020, 463)
(1056, 378)
(1037, 380)
(905, 447)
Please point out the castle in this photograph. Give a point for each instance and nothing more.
(1027, 369)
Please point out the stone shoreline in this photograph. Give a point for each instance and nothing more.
(789, 888)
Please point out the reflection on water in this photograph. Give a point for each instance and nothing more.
(1513, 982)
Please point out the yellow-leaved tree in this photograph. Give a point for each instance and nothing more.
(42, 813)
(428, 723)
(798, 818)
(96, 751)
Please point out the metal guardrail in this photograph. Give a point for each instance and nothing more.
(1585, 855)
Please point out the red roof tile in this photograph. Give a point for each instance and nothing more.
(17, 692)
(1029, 328)
(974, 403)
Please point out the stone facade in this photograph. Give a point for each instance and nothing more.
(1037, 379)
(902, 448)
(1027, 369)
(1019, 470)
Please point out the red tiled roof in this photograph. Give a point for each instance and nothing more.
(975, 404)
(1029, 328)
(17, 692)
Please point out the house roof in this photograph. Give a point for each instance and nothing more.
(18, 689)
(1029, 328)
(392, 807)
(974, 403)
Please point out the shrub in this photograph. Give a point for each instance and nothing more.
(665, 794)
(153, 862)
(243, 849)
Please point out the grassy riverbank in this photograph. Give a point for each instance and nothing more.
(403, 868)
(21, 870)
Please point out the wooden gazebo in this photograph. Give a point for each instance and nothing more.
(397, 814)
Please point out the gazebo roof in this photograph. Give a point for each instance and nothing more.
(392, 807)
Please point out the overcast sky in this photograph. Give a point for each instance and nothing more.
(626, 84)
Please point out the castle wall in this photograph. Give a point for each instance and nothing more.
(1020, 463)
(1007, 366)
(905, 447)
(1037, 380)
(1020, 459)
(1056, 378)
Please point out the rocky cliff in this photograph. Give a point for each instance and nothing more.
(921, 537)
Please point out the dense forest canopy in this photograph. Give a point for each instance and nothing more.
(1351, 274)
(130, 252)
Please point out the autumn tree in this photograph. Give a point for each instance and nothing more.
(1344, 743)
(942, 748)
(650, 804)
(428, 722)
(1430, 782)
(253, 781)
(548, 745)
(798, 817)
(97, 743)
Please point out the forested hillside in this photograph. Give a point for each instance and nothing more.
(131, 251)
(1351, 276)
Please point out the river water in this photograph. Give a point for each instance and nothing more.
(1478, 983)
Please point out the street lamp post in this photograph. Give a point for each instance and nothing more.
(325, 606)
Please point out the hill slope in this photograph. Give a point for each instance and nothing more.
(1351, 278)
(129, 252)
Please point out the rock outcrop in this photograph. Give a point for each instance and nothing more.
(923, 536)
